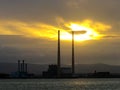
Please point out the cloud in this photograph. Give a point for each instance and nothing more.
(46, 11)
(14, 47)
(111, 37)
(39, 50)
(28, 29)
(37, 22)
(47, 31)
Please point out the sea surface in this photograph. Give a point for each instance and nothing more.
(60, 84)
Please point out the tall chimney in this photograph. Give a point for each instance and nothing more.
(23, 66)
(58, 62)
(73, 56)
(19, 67)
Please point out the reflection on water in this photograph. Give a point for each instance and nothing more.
(60, 84)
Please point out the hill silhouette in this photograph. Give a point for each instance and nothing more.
(79, 68)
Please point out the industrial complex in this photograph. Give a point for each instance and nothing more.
(56, 70)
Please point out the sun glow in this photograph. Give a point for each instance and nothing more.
(82, 33)
(84, 30)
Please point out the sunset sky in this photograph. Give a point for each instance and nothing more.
(28, 30)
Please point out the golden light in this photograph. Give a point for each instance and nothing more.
(88, 30)
(82, 33)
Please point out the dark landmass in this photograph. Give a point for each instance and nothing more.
(79, 68)
(10, 70)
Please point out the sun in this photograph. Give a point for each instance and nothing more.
(82, 33)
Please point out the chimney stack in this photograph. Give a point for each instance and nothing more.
(23, 66)
(59, 61)
(73, 56)
(19, 67)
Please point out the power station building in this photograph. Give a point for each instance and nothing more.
(52, 72)
(22, 70)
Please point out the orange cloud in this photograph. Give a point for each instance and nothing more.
(41, 30)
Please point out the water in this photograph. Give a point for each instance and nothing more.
(60, 84)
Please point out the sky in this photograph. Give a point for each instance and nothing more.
(28, 30)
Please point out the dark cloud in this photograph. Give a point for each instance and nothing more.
(44, 51)
(46, 11)
(33, 50)
(103, 51)
(30, 10)
(111, 36)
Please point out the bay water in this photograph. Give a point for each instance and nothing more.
(60, 84)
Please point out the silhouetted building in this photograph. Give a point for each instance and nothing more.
(102, 73)
(66, 72)
(99, 74)
(22, 70)
(52, 72)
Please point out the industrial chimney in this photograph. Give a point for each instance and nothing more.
(19, 68)
(73, 55)
(23, 67)
(59, 61)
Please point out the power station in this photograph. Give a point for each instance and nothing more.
(59, 55)
(57, 70)
(22, 69)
